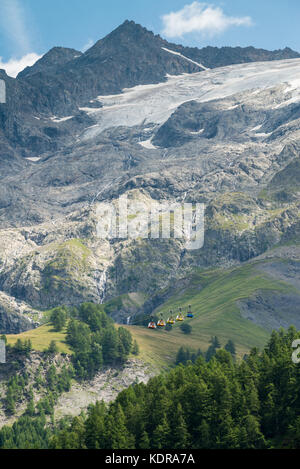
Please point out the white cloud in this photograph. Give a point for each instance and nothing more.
(88, 45)
(14, 66)
(200, 17)
(13, 21)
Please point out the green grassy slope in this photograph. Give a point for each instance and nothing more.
(41, 338)
(216, 313)
(213, 295)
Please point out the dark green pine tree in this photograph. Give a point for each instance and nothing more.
(110, 344)
(19, 346)
(135, 348)
(75, 439)
(182, 356)
(210, 353)
(117, 436)
(252, 398)
(161, 435)
(293, 438)
(181, 437)
(10, 405)
(144, 442)
(203, 439)
(215, 342)
(52, 349)
(122, 356)
(72, 332)
(97, 356)
(255, 438)
(230, 347)
(95, 426)
(126, 339)
(28, 346)
(58, 318)
(30, 409)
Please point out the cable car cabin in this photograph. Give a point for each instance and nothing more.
(180, 316)
(189, 313)
(161, 323)
(171, 321)
(152, 325)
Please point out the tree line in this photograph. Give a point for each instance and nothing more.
(220, 403)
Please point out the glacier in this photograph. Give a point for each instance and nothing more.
(154, 104)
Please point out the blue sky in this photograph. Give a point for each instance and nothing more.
(29, 28)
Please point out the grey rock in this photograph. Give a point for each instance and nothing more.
(13, 323)
(272, 310)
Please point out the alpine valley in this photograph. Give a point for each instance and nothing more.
(138, 116)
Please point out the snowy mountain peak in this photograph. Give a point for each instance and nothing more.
(64, 81)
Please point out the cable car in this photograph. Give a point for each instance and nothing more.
(180, 316)
(152, 325)
(161, 323)
(189, 313)
(171, 320)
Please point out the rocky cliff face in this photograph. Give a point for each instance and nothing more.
(54, 59)
(71, 138)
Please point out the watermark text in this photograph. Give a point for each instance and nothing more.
(2, 351)
(126, 218)
(296, 353)
(2, 92)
